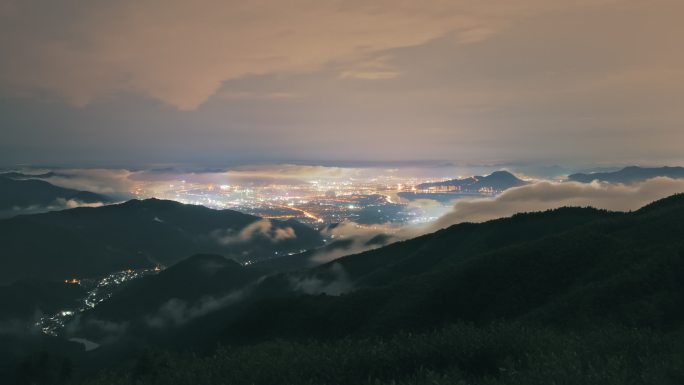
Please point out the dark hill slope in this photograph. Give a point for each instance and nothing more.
(86, 242)
(161, 310)
(25, 300)
(617, 268)
(199, 277)
(28, 193)
(415, 255)
(461, 242)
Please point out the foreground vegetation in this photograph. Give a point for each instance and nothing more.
(459, 354)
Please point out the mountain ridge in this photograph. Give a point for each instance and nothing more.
(630, 174)
(26, 194)
(91, 241)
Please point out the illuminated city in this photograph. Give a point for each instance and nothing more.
(378, 200)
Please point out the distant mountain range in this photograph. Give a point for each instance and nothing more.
(86, 241)
(21, 175)
(496, 181)
(630, 174)
(19, 193)
(449, 190)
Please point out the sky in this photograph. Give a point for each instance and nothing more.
(137, 82)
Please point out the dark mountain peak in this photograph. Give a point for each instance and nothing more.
(151, 203)
(155, 205)
(498, 180)
(502, 175)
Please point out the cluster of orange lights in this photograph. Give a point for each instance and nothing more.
(77, 281)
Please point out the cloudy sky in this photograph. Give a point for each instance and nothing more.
(137, 82)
